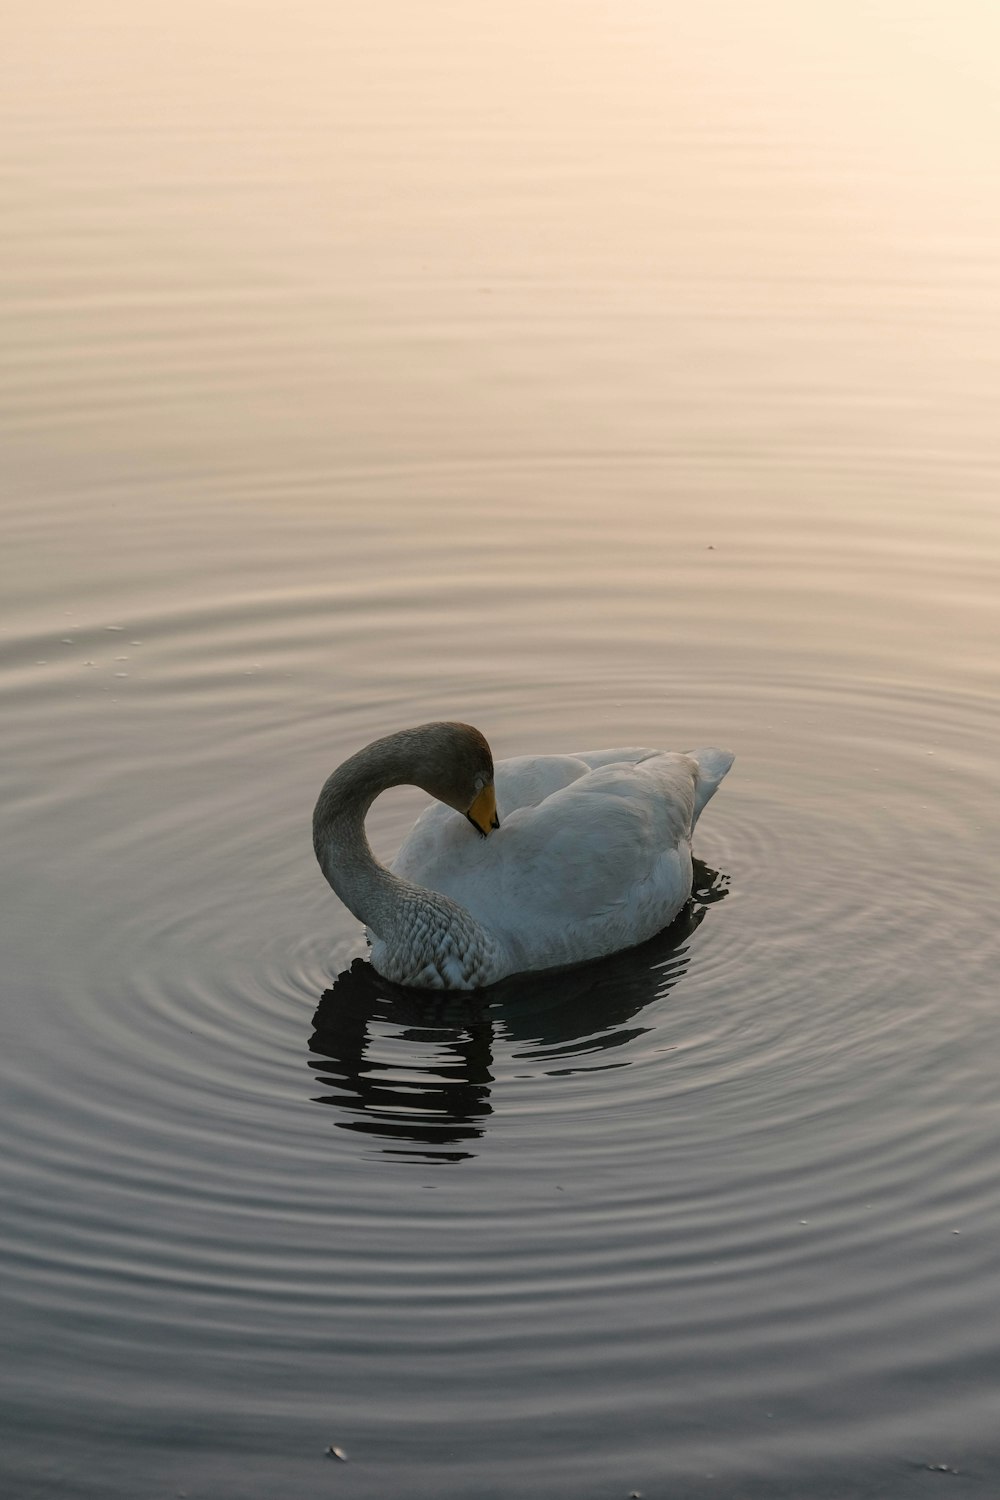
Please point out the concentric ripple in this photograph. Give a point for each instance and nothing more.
(737, 1186)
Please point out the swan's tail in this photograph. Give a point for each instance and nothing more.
(712, 766)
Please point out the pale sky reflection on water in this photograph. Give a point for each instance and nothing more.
(697, 213)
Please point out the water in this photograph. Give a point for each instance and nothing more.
(598, 377)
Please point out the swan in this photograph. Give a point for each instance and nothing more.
(568, 857)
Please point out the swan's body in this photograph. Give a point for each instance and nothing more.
(592, 854)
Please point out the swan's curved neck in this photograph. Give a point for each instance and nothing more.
(379, 899)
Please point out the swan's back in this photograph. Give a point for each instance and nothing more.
(593, 851)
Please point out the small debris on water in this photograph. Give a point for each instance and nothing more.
(940, 1469)
(337, 1453)
(803, 1221)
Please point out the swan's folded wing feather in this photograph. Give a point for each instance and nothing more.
(579, 853)
(594, 845)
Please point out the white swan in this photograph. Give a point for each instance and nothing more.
(592, 853)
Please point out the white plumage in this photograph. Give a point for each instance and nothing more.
(592, 853)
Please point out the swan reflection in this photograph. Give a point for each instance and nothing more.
(416, 1069)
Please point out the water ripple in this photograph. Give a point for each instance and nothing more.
(768, 1131)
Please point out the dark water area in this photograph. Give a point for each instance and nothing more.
(598, 378)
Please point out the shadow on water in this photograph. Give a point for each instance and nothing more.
(416, 1069)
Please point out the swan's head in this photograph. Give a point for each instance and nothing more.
(456, 767)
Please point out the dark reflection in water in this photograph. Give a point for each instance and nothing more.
(416, 1069)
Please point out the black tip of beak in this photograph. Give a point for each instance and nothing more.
(482, 831)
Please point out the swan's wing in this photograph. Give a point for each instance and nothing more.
(579, 852)
(601, 862)
(596, 843)
(631, 755)
(712, 766)
(439, 834)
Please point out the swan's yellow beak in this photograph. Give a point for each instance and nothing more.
(483, 812)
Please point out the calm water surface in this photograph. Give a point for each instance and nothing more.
(601, 376)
